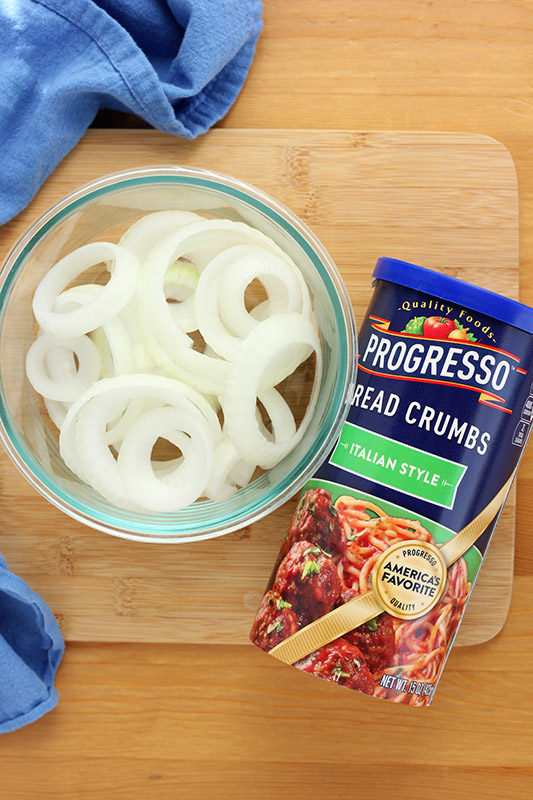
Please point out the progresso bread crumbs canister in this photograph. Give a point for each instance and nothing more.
(386, 542)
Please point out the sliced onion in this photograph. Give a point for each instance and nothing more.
(180, 440)
(69, 387)
(133, 322)
(264, 344)
(280, 280)
(57, 411)
(151, 229)
(94, 461)
(60, 365)
(181, 280)
(242, 473)
(112, 339)
(59, 362)
(130, 411)
(226, 458)
(214, 371)
(194, 277)
(99, 339)
(207, 314)
(96, 464)
(183, 485)
(220, 303)
(119, 391)
(201, 371)
(118, 291)
(281, 416)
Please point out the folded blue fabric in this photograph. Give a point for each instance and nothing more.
(31, 647)
(179, 64)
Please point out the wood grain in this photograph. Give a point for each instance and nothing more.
(136, 721)
(444, 200)
(164, 712)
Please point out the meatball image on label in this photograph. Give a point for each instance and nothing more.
(308, 579)
(275, 621)
(316, 520)
(340, 662)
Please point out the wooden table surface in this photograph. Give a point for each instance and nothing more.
(172, 721)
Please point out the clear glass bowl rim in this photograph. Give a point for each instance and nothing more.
(321, 260)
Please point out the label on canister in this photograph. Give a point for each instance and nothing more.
(388, 537)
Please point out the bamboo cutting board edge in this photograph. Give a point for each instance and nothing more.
(122, 600)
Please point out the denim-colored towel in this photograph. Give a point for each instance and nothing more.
(31, 647)
(178, 64)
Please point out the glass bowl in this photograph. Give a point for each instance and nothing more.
(102, 211)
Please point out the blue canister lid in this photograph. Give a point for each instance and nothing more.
(456, 291)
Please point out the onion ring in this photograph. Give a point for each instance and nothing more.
(140, 376)
(281, 281)
(199, 370)
(221, 485)
(264, 344)
(118, 291)
(119, 391)
(70, 386)
(186, 483)
(150, 229)
(112, 338)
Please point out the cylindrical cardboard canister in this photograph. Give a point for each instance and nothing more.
(379, 561)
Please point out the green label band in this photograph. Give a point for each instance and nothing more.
(398, 466)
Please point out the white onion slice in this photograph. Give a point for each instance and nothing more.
(219, 301)
(97, 465)
(281, 416)
(214, 370)
(59, 362)
(207, 314)
(57, 411)
(242, 473)
(119, 391)
(77, 296)
(94, 462)
(151, 229)
(118, 291)
(220, 486)
(264, 344)
(60, 365)
(182, 486)
(180, 440)
(69, 387)
(131, 318)
(280, 280)
(203, 372)
(180, 281)
(99, 339)
(117, 427)
(161, 468)
(112, 338)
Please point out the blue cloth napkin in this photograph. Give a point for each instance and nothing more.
(31, 647)
(178, 64)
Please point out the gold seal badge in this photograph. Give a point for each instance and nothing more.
(409, 578)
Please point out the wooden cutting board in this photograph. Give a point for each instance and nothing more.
(444, 200)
